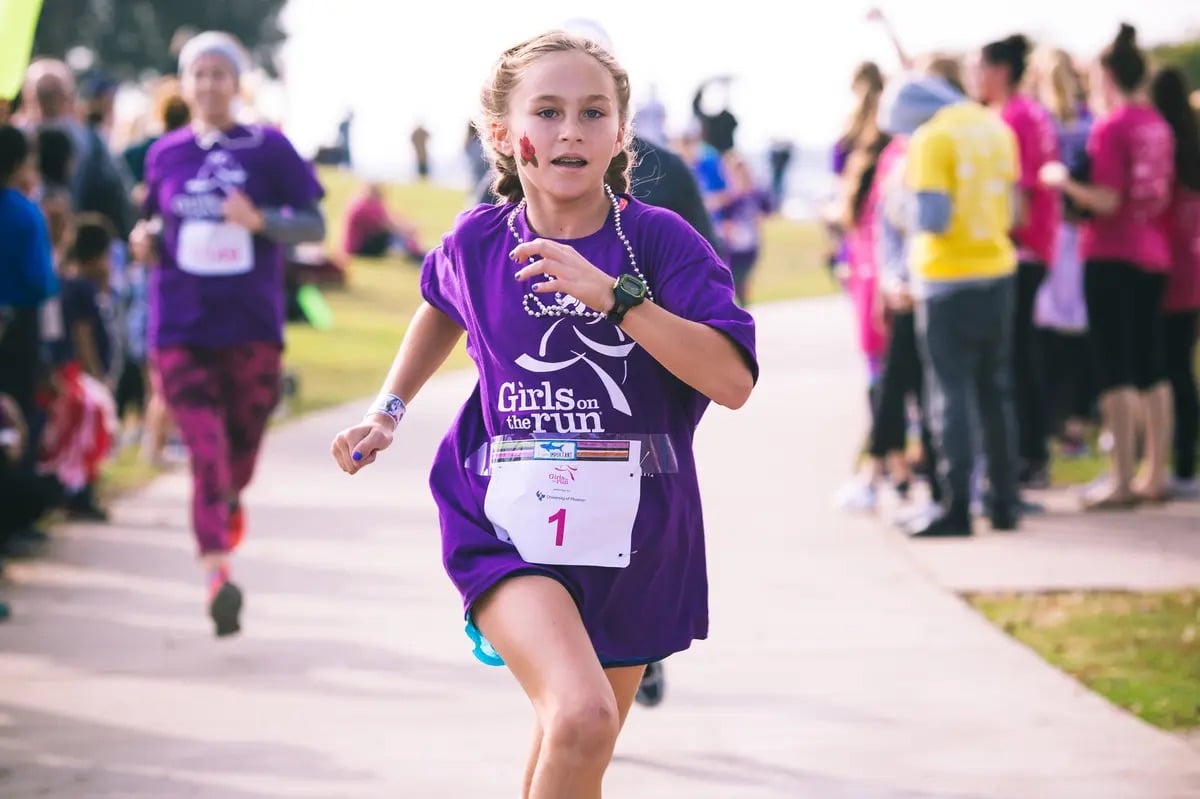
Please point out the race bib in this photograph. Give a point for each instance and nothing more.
(212, 249)
(742, 237)
(566, 502)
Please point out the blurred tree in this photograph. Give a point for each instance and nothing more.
(130, 36)
(1185, 56)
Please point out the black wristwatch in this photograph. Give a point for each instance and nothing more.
(628, 292)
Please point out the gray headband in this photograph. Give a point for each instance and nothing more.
(216, 42)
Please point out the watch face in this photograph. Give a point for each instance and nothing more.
(632, 286)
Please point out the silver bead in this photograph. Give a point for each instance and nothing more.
(557, 310)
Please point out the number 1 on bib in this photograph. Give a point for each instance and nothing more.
(561, 519)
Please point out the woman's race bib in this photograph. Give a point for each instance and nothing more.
(211, 249)
(742, 236)
(566, 502)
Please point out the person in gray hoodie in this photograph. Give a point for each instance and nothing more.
(961, 175)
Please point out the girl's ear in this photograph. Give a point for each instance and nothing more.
(619, 144)
(500, 139)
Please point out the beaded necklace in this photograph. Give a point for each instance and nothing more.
(533, 303)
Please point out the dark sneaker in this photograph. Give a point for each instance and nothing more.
(225, 608)
(1035, 476)
(650, 692)
(1005, 522)
(82, 506)
(23, 543)
(941, 526)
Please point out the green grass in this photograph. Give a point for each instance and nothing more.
(370, 315)
(1078, 470)
(350, 359)
(125, 473)
(1140, 651)
(792, 263)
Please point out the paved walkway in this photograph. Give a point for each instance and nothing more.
(837, 669)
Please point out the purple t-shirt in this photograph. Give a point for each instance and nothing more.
(740, 220)
(577, 376)
(216, 285)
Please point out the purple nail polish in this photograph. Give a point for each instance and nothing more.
(357, 456)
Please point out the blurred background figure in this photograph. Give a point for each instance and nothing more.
(1181, 297)
(420, 143)
(999, 74)
(739, 222)
(717, 123)
(374, 231)
(779, 158)
(1060, 311)
(1126, 195)
(650, 120)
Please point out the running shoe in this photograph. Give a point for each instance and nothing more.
(653, 685)
(225, 609)
(857, 497)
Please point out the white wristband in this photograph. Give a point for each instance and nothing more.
(390, 406)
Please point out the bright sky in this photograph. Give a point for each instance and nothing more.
(396, 63)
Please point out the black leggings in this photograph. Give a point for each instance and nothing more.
(1125, 324)
(901, 378)
(1028, 385)
(376, 245)
(1067, 376)
(1180, 355)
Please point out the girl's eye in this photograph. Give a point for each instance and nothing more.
(547, 113)
(593, 113)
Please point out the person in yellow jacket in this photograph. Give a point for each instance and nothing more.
(961, 174)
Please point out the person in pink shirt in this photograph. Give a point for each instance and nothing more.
(889, 429)
(1060, 311)
(1127, 256)
(999, 73)
(372, 231)
(861, 246)
(1181, 300)
(856, 158)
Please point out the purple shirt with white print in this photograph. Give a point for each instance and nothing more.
(217, 285)
(582, 377)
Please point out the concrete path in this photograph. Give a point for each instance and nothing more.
(1150, 549)
(836, 669)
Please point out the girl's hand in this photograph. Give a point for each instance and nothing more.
(357, 447)
(569, 272)
(898, 297)
(240, 210)
(1053, 174)
(143, 243)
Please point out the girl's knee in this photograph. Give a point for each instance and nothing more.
(583, 726)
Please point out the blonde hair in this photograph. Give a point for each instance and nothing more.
(947, 67)
(171, 111)
(1057, 84)
(862, 123)
(494, 106)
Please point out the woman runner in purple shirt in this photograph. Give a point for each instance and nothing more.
(601, 329)
(229, 197)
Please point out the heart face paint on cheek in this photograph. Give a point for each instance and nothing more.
(528, 154)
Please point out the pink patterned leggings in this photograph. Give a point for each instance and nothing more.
(221, 399)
